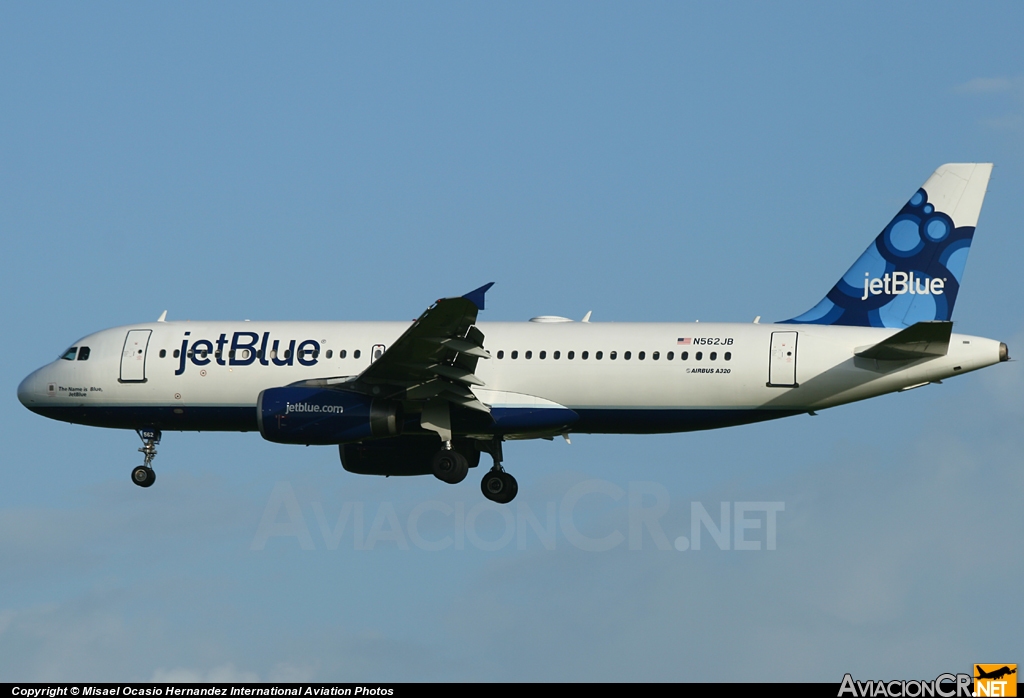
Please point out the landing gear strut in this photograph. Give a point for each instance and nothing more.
(144, 475)
(497, 485)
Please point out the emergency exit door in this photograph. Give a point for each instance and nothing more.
(133, 356)
(782, 361)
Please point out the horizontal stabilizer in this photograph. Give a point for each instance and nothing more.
(921, 340)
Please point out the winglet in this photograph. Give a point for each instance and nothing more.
(163, 317)
(477, 296)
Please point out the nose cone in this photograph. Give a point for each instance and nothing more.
(31, 390)
(1004, 352)
(23, 392)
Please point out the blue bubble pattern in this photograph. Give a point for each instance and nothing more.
(918, 240)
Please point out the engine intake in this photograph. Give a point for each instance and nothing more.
(294, 415)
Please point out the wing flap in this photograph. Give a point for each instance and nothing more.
(455, 373)
(464, 347)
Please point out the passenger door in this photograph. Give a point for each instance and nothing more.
(782, 360)
(133, 356)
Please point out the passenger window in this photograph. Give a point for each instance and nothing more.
(231, 353)
(699, 356)
(572, 355)
(640, 356)
(728, 356)
(69, 355)
(599, 355)
(684, 356)
(557, 355)
(543, 355)
(671, 355)
(501, 353)
(83, 354)
(163, 353)
(586, 355)
(714, 355)
(177, 353)
(529, 354)
(355, 354)
(342, 354)
(515, 353)
(330, 353)
(655, 356)
(627, 355)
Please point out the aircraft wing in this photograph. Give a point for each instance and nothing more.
(435, 357)
(922, 340)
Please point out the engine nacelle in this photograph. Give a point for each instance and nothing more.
(408, 455)
(294, 415)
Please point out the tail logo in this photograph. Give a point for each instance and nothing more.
(910, 273)
(900, 283)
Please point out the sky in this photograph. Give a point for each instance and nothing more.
(644, 161)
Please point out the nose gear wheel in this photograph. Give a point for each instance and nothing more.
(144, 475)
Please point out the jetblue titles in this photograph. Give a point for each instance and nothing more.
(901, 282)
(246, 348)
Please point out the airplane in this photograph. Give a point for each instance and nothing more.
(432, 396)
(995, 674)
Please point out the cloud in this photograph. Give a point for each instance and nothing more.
(226, 673)
(985, 85)
(1009, 122)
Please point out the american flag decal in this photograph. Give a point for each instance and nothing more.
(684, 340)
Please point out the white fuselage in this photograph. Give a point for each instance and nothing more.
(634, 377)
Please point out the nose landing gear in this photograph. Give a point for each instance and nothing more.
(144, 475)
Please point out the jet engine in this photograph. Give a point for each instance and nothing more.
(296, 415)
(408, 455)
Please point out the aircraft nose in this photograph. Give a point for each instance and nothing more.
(1004, 352)
(28, 390)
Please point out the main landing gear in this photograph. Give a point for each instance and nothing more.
(449, 465)
(452, 467)
(497, 485)
(144, 475)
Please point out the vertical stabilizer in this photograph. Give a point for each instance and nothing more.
(913, 270)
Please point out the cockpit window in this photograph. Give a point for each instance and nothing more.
(83, 354)
(69, 355)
